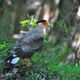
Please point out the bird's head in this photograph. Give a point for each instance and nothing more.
(43, 23)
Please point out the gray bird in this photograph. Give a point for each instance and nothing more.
(31, 42)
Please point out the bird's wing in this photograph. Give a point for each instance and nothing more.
(33, 46)
(11, 57)
(36, 43)
(32, 35)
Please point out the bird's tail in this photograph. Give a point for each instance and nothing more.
(11, 58)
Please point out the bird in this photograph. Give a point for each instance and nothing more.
(29, 44)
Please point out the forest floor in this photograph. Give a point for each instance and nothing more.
(50, 63)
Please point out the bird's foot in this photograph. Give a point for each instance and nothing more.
(28, 62)
(26, 65)
(23, 63)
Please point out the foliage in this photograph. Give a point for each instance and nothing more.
(46, 39)
(48, 60)
(34, 76)
(29, 22)
(4, 49)
(53, 61)
(61, 29)
(62, 23)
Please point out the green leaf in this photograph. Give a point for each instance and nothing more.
(24, 22)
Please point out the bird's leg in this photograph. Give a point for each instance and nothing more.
(23, 61)
(28, 62)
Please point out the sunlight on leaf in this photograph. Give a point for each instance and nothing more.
(25, 22)
(29, 22)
